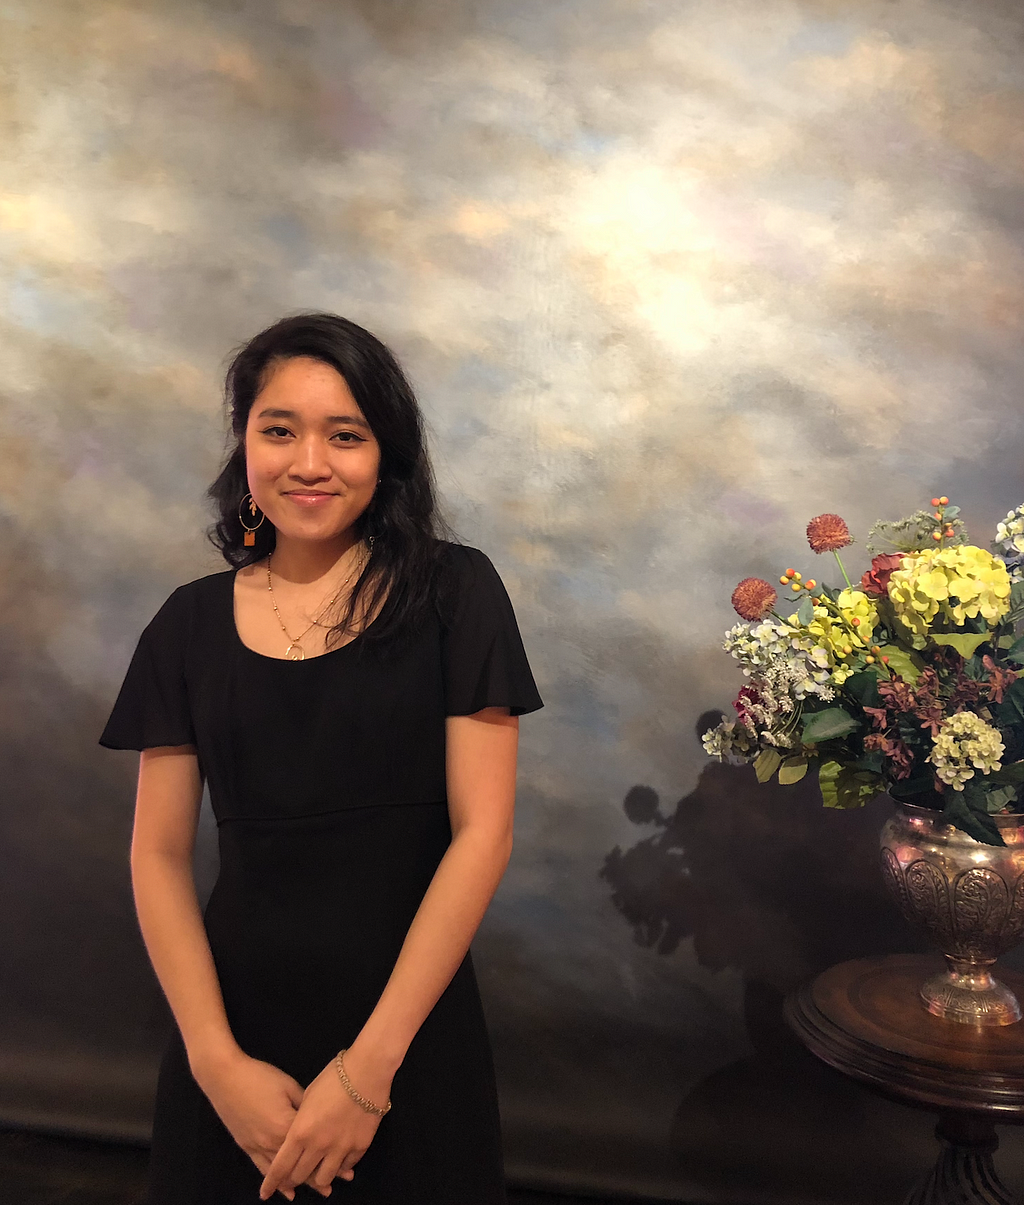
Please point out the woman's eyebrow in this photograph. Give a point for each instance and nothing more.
(331, 418)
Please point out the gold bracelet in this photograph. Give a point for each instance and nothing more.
(364, 1104)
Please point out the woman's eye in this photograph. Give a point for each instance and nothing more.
(340, 437)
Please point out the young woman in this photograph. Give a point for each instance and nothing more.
(349, 689)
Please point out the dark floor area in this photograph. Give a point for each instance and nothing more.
(44, 1169)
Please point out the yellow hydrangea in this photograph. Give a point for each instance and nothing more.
(854, 604)
(831, 641)
(963, 744)
(955, 583)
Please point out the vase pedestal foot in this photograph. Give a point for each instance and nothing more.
(967, 993)
(964, 1173)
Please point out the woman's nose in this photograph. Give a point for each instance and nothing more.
(311, 462)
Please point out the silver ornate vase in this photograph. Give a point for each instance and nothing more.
(969, 897)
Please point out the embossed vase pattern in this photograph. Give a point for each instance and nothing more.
(969, 898)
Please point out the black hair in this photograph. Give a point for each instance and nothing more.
(402, 577)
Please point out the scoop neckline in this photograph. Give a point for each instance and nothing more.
(231, 575)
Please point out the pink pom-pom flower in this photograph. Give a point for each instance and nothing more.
(828, 533)
(753, 598)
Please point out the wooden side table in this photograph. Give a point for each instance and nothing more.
(865, 1019)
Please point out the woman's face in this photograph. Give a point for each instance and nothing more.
(311, 458)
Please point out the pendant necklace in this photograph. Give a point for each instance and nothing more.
(295, 651)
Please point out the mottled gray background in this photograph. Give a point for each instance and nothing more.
(670, 277)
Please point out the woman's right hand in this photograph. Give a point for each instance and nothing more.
(256, 1101)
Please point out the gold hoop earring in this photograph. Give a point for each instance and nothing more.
(249, 539)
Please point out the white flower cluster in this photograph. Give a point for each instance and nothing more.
(782, 669)
(764, 715)
(773, 655)
(963, 744)
(1009, 543)
(729, 739)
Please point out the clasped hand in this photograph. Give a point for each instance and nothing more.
(328, 1136)
(295, 1136)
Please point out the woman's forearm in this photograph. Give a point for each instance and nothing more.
(175, 936)
(435, 945)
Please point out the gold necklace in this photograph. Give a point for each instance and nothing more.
(295, 651)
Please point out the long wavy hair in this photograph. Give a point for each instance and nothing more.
(403, 577)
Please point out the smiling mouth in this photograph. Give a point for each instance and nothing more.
(309, 499)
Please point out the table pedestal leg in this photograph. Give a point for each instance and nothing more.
(964, 1173)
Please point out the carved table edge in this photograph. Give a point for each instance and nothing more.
(897, 1075)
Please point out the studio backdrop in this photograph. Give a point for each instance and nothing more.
(670, 277)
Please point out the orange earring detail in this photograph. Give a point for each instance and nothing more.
(249, 540)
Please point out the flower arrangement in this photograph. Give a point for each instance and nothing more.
(910, 682)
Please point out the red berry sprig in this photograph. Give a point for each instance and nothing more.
(796, 583)
(944, 530)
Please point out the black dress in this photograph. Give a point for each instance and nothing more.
(327, 780)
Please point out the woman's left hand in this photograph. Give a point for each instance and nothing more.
(330, 1133)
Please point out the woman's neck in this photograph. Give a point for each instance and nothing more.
(307, 561)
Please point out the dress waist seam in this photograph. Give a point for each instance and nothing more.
(357, 807)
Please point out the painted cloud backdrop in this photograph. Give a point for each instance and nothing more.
(669, 277)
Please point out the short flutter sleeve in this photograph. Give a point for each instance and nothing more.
(484, 662)
(152, 707)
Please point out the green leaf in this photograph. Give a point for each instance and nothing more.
(1015, 697)
(974, 667)
(950, 512)
(843, 787)
(792, 770)
(766, 763)
(827, 725)
(862, 687)
(964, 643)
(1016, 651)
(1014, 772)
(1016, 610)
(910, 731)
(907, 665)
(999, 797)
(828, 778)
(873, 761)
(805, 613)
(978, 825)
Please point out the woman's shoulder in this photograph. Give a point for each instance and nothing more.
(472, 584)
(462, 557)
(185, 600)
(463, 566)
(201, 588)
